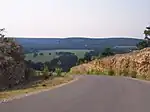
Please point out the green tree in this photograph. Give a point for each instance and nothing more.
(141, 45)
(46, 72)
(64, 61)
(147, 35)
(41, 54)
(147, 32)
(145, 43)
(58, 71)
(88, 55)
(107, 52)
(35, 54)
(11, 54)
(80, 61)
(1, 33)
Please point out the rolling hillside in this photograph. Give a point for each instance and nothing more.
(48, 57)
(74, 43)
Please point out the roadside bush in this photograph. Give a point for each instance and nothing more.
(90, 72)
(142, 76)
(46, 73)
(107, 52)
(133, 74)
(143, 44)
(125, 72)
(94, 72)
(111, 72)
(58, 71)
(44, 85)
(99, 73)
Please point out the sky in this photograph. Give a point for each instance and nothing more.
(74, 18)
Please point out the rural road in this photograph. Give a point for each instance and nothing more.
(88, 94)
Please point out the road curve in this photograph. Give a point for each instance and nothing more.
(88, 94)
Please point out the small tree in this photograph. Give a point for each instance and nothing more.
(1, 33)
(80, 61)
(41, 54)
(147, 35)
(146, 42)
(106, 52)
(141, 45)
(35, 54)
(46, 72)
(147, 32)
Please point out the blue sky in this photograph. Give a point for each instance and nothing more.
(65, 18)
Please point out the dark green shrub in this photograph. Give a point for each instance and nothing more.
(35, 54)
(133, 74)
(143, 44)
(46, 72)
(44, 85)
(107, 52)
(99, 73)
(88, 72)
(41, 54)
(111, 72)
(94, 72)
(125, 72)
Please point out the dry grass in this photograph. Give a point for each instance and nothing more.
(47, 84)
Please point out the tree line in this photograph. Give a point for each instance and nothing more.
(146, 42)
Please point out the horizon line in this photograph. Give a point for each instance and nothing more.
(72, 37)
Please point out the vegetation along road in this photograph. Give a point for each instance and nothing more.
(88, 94)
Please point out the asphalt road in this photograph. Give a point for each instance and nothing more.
(88, 94)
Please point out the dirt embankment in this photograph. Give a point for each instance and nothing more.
(137, 62)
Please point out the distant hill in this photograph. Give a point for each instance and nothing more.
(75, 43)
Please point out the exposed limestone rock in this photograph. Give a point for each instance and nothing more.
(136, 61)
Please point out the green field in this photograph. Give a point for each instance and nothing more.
(47, 57)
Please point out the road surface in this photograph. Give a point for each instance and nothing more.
(88, 94)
